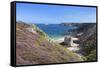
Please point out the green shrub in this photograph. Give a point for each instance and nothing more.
(91, 56)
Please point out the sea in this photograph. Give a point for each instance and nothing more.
(56, 31)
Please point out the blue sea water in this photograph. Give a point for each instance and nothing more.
(55, 31)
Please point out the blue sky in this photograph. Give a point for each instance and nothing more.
(54, 14)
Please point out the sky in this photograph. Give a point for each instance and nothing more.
(54, 14)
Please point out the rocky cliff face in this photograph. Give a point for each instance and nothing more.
(88, 43)
(33, 46)
(89, 46)
(87, 30)
(86, 33)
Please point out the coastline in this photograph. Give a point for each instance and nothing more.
(74, 46)
(59, 40)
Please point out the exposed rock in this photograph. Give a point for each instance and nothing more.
(67, 40)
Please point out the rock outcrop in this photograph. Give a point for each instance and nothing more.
(67, 40)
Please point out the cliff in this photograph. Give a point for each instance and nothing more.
(88, 42)
(86, 33)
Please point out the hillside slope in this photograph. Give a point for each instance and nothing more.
(34, 47)
(88, 43)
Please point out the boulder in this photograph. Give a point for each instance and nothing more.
(67, 40)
